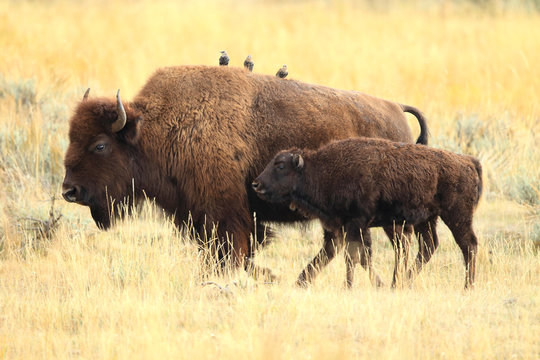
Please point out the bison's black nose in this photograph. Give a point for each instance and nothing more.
(71, 192)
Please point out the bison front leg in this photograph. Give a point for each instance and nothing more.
(225, 243)
(258, 272)
(331, 246)
(237, 231)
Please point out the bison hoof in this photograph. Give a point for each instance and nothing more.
(303, 283)
(270, 278)
(379, 283)
(263, 273)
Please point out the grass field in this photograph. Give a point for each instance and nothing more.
(135, 291)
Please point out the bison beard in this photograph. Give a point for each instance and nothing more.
(101, 217)
(195, 137)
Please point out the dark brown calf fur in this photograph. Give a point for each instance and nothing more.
(355, 184)
(196, 137)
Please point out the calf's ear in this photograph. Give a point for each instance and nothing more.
(298, 161)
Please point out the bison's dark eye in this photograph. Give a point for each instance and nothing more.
(281, 166)
(100, 147)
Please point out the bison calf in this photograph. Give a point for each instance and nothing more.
(355, 184)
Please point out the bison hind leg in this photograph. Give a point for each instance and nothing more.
(468, 243)
(428, 241)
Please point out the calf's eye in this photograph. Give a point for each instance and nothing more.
(281, 166)
(100, 147)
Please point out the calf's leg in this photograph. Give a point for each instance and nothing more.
(466, 239)
(331, 246)
(358, 249)
(401, 239)
(428, 242)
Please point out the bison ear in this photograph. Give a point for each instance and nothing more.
(131, 131)
(298, 161)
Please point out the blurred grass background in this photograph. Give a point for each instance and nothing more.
(470, 66)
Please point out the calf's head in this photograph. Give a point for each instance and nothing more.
(280, 177)
(103, 138)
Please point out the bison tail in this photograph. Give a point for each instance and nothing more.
(478, 168)
(423, 138)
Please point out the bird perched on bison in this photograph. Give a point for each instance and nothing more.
(248, 63)
(282, 72)
(352, 185)
(224, 58)
(195, 137)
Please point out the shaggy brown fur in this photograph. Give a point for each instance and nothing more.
(355, 184)
(196, 137)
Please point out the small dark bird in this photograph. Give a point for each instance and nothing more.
(224, 58)
(248, 63)
(282, 73)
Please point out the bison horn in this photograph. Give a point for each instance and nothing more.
(120, 121)
(85, 97)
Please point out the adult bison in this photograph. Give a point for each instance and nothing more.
(195, 137)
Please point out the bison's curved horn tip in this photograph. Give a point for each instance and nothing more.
(120, 121)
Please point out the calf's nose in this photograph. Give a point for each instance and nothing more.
(70, 192)
(255, 185)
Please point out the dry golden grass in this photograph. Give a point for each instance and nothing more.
(135, 291)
